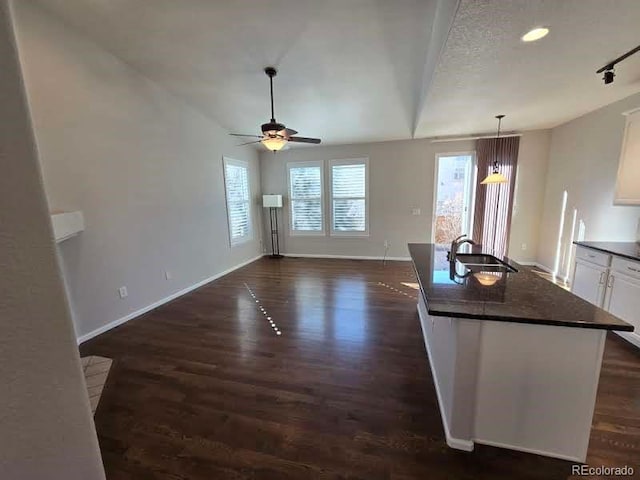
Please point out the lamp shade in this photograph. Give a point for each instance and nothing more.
(494, 178)
(272, 201)
(274, 143)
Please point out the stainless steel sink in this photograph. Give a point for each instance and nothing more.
(483, 261)
(477, 259)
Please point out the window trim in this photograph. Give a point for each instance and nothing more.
(306, 233)
(350, 161)
(243, 164)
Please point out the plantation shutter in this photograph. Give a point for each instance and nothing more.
(238, 201)
(349, 197)
(306, 198)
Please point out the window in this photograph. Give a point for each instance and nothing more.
(349, 203)
(455, 179)
(305, 195)
(238, 191)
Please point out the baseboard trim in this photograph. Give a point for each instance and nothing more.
(544, 267)
(453, 442)
(631, 337)
(537, 265)
(347, 257)
(544, 453)
(173, 296)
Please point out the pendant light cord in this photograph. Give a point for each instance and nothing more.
(495, 160)
(495, 170)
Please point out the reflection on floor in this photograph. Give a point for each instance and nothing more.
(96, 370)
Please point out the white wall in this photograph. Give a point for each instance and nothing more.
(145, 168)
(402, 178)
(533, 158)
(46, 427)
(584, 161)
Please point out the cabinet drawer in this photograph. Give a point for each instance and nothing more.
(593, 256)
(628, 267)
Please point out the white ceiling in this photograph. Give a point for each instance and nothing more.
(364, 70)
(486, 70)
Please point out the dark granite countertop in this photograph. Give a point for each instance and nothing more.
(522, 297)
(630, 250)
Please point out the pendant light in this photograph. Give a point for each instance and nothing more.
(496, 176)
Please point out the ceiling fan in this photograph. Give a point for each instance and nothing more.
(275, 135)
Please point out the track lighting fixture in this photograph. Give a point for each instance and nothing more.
(608, 69)
(608, 76)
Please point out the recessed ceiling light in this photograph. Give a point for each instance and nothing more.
(535, 34)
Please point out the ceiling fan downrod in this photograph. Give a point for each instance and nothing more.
(271, 72)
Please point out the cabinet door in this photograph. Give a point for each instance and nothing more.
(588, 282)
(623, 298)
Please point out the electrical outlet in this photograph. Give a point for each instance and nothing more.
(416, 211)
(167, 275)
(122, 291)
(524, 246)
(387, 244)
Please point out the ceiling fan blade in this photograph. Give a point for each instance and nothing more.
(248, 143)
(243, 135)
(289, 132)
(304, 140)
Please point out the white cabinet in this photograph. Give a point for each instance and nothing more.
(611, 283)
(623, 298)
(589, 282)
(628, 183)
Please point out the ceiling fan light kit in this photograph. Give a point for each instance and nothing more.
(275, 136)
(274, 143)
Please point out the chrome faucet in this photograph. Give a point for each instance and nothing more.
(456, 244)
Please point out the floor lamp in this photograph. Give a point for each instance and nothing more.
(273, 203)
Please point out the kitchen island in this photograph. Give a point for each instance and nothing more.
(515, 359)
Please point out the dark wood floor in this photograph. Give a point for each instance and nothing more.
(204, 388)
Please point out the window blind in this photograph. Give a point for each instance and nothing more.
(238, 201)
(494, 203)
(305, 183)
(348, 187)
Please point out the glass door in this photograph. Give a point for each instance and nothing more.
(454, 193)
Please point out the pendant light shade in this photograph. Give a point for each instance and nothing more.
(496, 177)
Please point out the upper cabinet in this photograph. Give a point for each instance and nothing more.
(628, 184)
